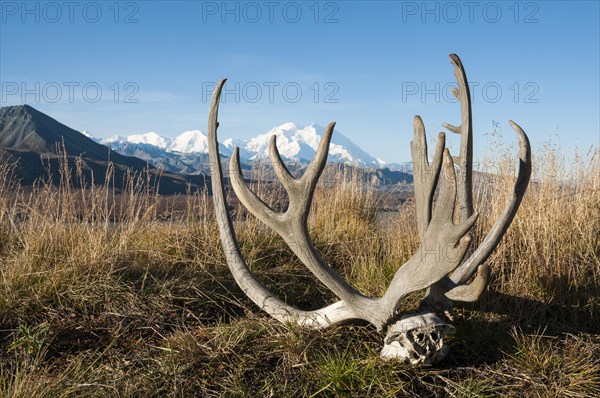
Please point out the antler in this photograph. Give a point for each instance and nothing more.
(258, 293)
(465, 158)
(443, 243)
(453, 288)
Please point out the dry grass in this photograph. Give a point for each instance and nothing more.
(129, 295)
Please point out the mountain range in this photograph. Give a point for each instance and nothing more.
(37, 144)
(188, 152)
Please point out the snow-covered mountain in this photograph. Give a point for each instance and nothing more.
(150, 138)
(231, 143)
(187, 153)
(193, 141)
(299, 144)
(115, 139)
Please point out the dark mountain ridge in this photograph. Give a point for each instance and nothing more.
(38, 143)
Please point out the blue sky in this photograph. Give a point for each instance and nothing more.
(370, 66)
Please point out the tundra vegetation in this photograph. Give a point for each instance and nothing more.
(113, 290)
(123, 292)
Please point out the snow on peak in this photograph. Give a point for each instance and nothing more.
(287, 126)
(292, 143)
(112, 139)
(150, 138)
(192, 141)
(295, 144)
(90, 136)
(232, 142)
(300, 144)
(189, 142)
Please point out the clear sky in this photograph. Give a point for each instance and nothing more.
(137, 66)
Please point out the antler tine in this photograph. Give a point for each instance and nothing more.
(280, 168)
(472, 291)
(317, 164)
(425, 176)
(445, 205)
(465, 158)
(466, 270)
(333, 314)
(255, 204)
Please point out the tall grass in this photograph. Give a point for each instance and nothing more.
(107, 292)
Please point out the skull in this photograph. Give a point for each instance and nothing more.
(417, 338)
